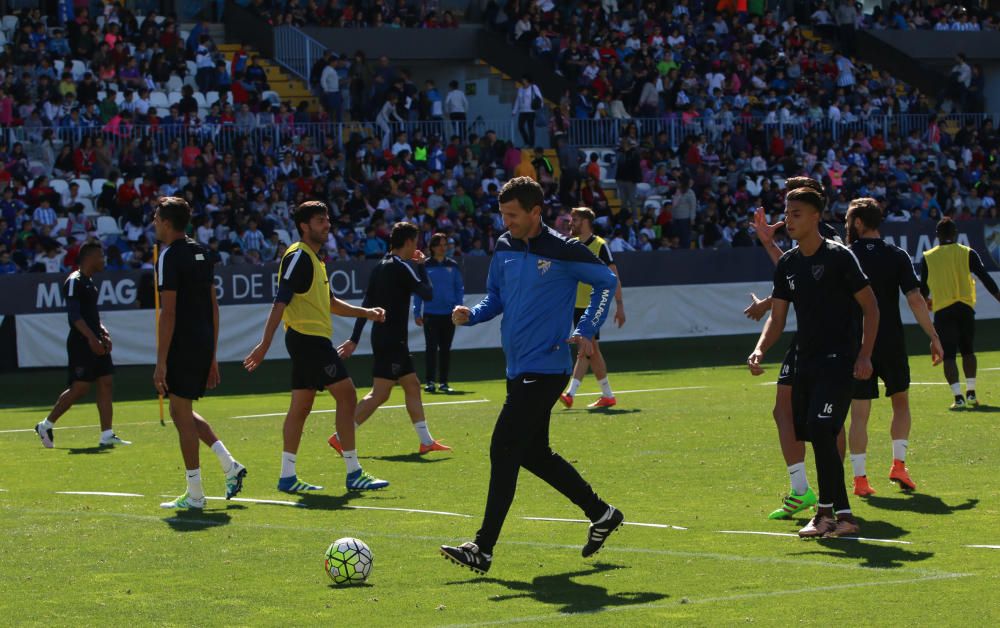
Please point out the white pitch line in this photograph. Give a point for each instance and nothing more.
(628, 523)
(79, 427)
(101, 493)
(416, 510)
(644, 390)
(847, 538)
(710, 600)
(274, 502)
(396, 407)
(985, 546)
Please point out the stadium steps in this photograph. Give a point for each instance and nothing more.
(291, 89)
(502, 84)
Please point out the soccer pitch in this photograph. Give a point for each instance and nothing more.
(690, 451)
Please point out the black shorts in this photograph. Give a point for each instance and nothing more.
(956, 326)
(577, 315)
(315, 363)
(787, 374)
(188, 364)
(821, 395)
(892, 366)
(84, 365)
(392, 361)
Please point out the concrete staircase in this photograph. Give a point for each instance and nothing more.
(290, 88)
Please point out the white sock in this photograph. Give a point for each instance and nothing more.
(606, 388)
(195, 491)
(47, 425)
(970, 384)
(225, 458)
(351, 459)
(423, 433)
(858, 462)
(107, 434)
(845, 511)
(899, 447)
(797, 474)
(574, 385)
(956, 389)
(287, 464)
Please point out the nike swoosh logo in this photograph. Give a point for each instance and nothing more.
(529, 381)
(789, 277)
(824, 416)
(508, 261)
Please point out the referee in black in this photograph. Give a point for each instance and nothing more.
(188, 335)
(390, 287)
(823, 280)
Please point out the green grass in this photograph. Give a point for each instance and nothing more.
(705, 459)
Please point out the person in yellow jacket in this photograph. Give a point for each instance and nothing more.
(304, 304)
(582, 228)
(946, 275)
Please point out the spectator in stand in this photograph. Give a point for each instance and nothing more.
(329, 84)
(456, 106)
(526, 103)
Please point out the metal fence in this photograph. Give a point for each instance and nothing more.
(296, 51)
(582, 133)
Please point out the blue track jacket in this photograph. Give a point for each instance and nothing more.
(534, 286)
(449, 290)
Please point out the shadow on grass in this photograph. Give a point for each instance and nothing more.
(197, 520)
(873, 555)
(322, 501)
(919, 503)
(96, 449)
(440, 396)
(410, 457)
(982, 407)
(571, 597)
(341, 587)
(611, 411)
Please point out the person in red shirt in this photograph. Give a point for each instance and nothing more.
(127, 192)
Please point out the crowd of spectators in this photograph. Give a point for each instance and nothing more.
(938, 16)
(356, 14)
(759, 104)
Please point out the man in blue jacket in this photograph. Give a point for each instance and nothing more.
(435, 315)
(532, 281)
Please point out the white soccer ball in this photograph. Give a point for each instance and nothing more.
(348, 561)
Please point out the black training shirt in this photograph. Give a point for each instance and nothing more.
(821, 287)
(389, 287)
(890, 271)
(185, 267)
(80, 292)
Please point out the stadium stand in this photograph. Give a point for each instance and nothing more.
(676, 110)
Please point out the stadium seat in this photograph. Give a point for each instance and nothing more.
(158, 99)
(271, 96)
(61, 223)
(174, 97)
(3, 39)
(200, 99)
(9, 25)
(85, 190)
(37, 168)
(96, 185)
(106, 226)
(78, 70)
(88, 207)
(192, 67)
(174, 85)
(59, 185)
(210, 98)
(283, 236)
(58, 64)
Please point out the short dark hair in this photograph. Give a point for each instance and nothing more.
(89, 248)
(174, 210)
(584, 212)
(794, 183)
(809, 196)
(525, 190)
(867, 210)
(306, 211)
(947, 229)
(402, 232)
(437, 238)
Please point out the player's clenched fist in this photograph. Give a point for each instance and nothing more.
(460, 315)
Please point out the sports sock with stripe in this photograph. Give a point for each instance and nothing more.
(899, 447)
(351, 460)
(287, 464)
(574, 386)
(225, 458)
(195, 491)
(606, 388)
(423, 433)
(858, 463)
(797, 475)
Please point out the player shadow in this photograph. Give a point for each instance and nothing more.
(872, 554)
(611, 411)
(982, 407)
(572, 597)
(198, 520)
(322, 501)
(919, 503)
(410, 457)
(96, 449)
(438, 393)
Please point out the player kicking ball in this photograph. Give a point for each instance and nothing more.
(891, 272)
(823, 281)
(304, 303)
(389, 288)
(89, 349)
(582, 228)
(188, 335)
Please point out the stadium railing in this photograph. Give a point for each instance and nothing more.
(296, 51)
(582, 133)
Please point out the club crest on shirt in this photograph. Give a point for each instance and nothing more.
(871, 247)
(544, 265)
(818, 271)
